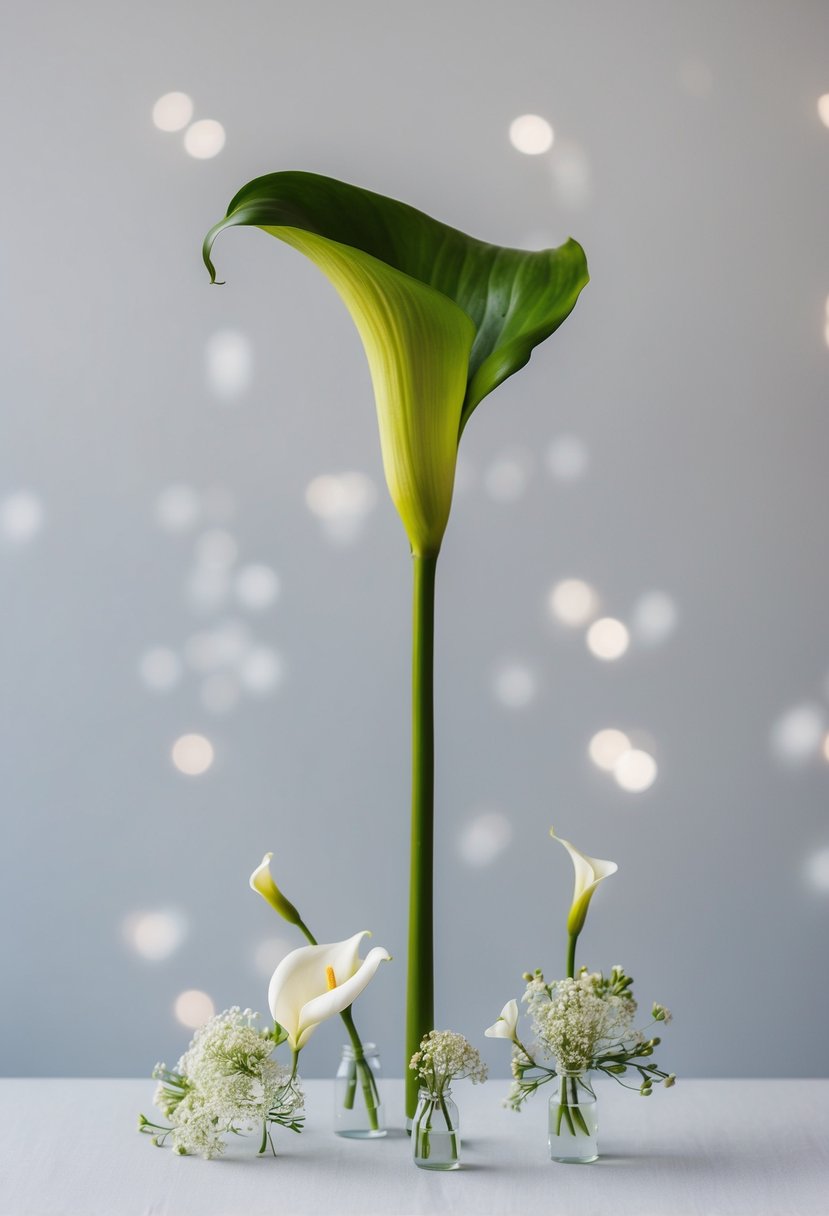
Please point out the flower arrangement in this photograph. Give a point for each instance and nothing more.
(444, 320)
(443, 1057)
(580, 1024)
(225, 1083)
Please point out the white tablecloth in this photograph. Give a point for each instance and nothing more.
(712, 1148)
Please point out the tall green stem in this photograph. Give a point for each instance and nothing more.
(420, 1003)
(571, 955)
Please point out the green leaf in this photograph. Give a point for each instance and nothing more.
(444, 318)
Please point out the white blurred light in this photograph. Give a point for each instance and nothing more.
(204, 139)
(607, 747)
(256, 586)
(21, 517)
(192, 755)
(817, 870)
(514, 685)
(607, 638)
(261, 670)
(695, 78)
(823, 109)
(216, 548)
(484, 837)
(228, 363)
(573, 602)
(635, 771)
(341, 501)
(177, 508)
(155, 935)
(531, 134)
(505, 480)
(172, 112)
(159, 669)
(268, 954)
(220, 692)
(826, 748)
(826, 332)
(654, 618)
(568, 458)
(193, 1008)
(798, 733)
(571, 175)
(208, 588)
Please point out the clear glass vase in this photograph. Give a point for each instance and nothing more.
(573, 1122)
(358, 1108)
(436, 1139)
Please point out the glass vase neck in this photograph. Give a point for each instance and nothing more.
(369, 1051)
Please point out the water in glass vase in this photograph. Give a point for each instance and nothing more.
(573, 1137)
(436, 1139)
(358, 1109)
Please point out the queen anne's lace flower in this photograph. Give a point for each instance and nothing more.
(225, 1082)
(576, 1020)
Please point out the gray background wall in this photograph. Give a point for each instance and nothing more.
(690, 383)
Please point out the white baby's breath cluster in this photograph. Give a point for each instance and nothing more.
(577, 1020)
(445, 1056)
(226, 1082)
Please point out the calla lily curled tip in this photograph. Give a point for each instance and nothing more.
(261, 881)
(505, 1026)
(313, 983)
(589, 872)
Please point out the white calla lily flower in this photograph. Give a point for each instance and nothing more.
(261, 881)
(505, 1026)
(590, 871)
(315, 982)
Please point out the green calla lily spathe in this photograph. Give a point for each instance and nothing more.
(444, 319)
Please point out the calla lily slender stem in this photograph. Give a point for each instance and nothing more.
(420, 1006)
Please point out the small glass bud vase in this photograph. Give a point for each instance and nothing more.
(573, 1122)
(436, 1140)
(358, 1109)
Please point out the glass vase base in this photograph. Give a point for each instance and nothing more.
(360, 1133)
(573, 1160)
(427, 1165)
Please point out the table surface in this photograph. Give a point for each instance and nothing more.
(711, 1148)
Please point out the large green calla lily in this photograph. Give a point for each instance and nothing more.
(444, 319)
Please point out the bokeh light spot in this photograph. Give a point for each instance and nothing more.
(817, 870)
(21, 517)
(155, 935)
(607, 747)
(228, 363)
(159, 669)
(798, 734)
(573, 602)
(514, 685)
(484, 838)
(635, 771)
(654, 618)
(177, 508)
(505, 480)
(341, 502)
(192, 754)
(193, 1008)
(823, 109)
(568, 458)
(204, 139)
(173, 111)
(607, 638)
(531, 134)
(261, 670)
(256, 586)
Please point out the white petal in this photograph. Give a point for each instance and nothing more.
(339, 998)
(264, 868)
(589, 870)
(505, 1026)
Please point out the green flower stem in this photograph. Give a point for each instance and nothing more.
(420, 1005)
(369, 1085)
(571, 955)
